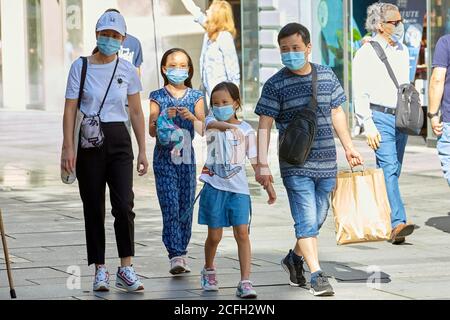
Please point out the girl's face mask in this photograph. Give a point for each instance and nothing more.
(177, 75)
(223, 113)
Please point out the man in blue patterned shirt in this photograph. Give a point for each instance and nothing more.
(308, 186)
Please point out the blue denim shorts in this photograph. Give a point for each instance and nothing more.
(220, 209)
(309, 199)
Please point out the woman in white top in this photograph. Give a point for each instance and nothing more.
(375, 98)
(112, 161)
(218, 61)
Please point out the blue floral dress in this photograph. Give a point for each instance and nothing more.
(176, 181)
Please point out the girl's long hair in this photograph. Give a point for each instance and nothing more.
(221, 19)
(188, 81)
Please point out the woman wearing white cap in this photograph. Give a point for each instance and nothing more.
(99, 87)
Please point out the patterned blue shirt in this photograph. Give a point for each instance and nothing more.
(284, 94)
(165, 100)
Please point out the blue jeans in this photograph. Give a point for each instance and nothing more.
(443, 147)
(390, 158)
(309, 199)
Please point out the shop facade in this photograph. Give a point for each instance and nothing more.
(39, 39)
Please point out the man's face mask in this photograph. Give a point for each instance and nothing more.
(294, 60)
(398, 33)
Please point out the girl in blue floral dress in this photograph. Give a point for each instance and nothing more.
(174, 167)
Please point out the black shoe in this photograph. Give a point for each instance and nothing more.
(295, 271)
(321, 287)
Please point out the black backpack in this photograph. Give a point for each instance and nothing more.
(297, 140)
(409, 115)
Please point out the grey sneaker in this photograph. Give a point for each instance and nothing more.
(245, 290)
(295, 271)
(321, 287)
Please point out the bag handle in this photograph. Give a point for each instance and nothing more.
(109, 86)
(82, 80)
(382, 55)
(361, 165)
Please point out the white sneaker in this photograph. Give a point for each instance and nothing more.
(178, 265)
(101, 281)
(127, 279)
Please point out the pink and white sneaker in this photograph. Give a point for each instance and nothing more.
(127, 279)
(209, 280)
(179, 265)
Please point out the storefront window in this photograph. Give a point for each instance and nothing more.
(439, 21)
(175, 29)
(328, 28)
(250, 55)
(1, 62)
(73, 42)
(35, 54)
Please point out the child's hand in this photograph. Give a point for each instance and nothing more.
(238, 134)
(172, 112)
(186, 114)
(272, 194)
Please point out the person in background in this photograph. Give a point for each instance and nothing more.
(375, 99)
(131, 50)
(218, 61)
(440, 100)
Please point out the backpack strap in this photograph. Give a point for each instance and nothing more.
(109, 86)
(314, 84)
(82, 80)
(382, 55)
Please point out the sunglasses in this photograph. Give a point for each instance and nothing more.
(395, 23)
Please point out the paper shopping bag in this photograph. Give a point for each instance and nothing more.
(361, 207)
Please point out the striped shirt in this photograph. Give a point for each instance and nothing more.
(284, 94)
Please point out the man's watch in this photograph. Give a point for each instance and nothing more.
(432, 115)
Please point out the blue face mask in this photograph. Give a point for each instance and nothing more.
(108, 46)
(177, 75)
(294, 60)
(223, 113)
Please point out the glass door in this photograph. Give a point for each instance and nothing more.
(1, 62)
(73, 28)
(35, 55)
(249, 56)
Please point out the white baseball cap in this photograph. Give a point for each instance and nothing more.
(112, 21)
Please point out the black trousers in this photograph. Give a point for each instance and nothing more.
(111, 164)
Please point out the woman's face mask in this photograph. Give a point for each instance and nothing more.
(177, 75)
(108, 46)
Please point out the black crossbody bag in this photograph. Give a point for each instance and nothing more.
(91, 134)
(297, 140)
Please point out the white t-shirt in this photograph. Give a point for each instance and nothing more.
(126, 82)
(225, 164)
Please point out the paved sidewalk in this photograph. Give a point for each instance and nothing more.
(45, 228)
